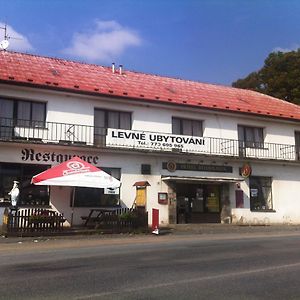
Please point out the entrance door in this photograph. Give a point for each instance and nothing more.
(198, 203)
(212, 199)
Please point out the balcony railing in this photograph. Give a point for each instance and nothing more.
(73, 134)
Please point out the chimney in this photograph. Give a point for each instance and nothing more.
(113, 67)
(120, 69)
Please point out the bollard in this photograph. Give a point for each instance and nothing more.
(155, 221)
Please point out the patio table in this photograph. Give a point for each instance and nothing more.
(97, 213)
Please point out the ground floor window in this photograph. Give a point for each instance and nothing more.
(91, 197)
(29, 194)
(260, 193)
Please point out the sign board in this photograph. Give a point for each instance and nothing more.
(171, 166)
(163, 198)
(253, 193)
(246, 170)
(110, 191)
(153, 140)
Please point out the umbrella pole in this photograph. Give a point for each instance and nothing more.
(72, 204)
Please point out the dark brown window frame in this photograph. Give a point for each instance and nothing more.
(32, 123)
(181, 125)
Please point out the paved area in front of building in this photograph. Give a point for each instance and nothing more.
(189, 266)
(232, 229)
(204, 230)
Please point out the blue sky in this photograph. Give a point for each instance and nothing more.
(215, 41)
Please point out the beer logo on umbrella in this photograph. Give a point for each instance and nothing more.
(75, 167)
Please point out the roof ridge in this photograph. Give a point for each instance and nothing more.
(56, 58)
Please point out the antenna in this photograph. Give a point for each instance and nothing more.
(5, 43)
(6, 37)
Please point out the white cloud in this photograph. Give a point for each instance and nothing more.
(17, 41)
(105, 42)
(284, 50)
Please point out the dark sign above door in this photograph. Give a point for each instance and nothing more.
(195, 167)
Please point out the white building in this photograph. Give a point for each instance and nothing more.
(201, 147)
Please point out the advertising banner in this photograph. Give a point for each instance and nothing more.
(154, 141)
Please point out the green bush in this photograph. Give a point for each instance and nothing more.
(128, 216)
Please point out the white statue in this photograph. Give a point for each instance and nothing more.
(14, 194)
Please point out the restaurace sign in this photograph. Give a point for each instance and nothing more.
(151, 140)
(47, 156)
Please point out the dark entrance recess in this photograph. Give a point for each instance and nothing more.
(198, 203)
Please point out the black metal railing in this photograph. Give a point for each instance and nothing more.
(46, 132)
(81, 135)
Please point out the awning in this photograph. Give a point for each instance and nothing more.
(201, 179)
(142, 183)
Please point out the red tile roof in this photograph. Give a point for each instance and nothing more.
(45, 72)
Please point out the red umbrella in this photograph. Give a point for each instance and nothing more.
(76, 172)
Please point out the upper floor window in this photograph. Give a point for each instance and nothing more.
(252, 137)
(112, 119)
(24, 113)
(187, 127)
(260, 193)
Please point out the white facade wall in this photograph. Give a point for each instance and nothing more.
(285, 194)
(79, 109)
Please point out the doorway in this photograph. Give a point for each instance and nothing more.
(198, 203)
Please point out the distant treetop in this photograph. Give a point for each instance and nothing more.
(279, 77)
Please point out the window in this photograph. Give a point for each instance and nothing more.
(187, 127)
(24, 113)
(104, 119)
(92, 197)
(29, 194)
(260, 193)
(6, 118)
(112, 119)
(6, 108)
(30, 114)
(251, 137)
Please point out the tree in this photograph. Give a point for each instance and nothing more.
(279, 77)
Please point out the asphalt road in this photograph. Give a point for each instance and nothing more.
(150, 267)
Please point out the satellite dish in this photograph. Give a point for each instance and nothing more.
(4, 44)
